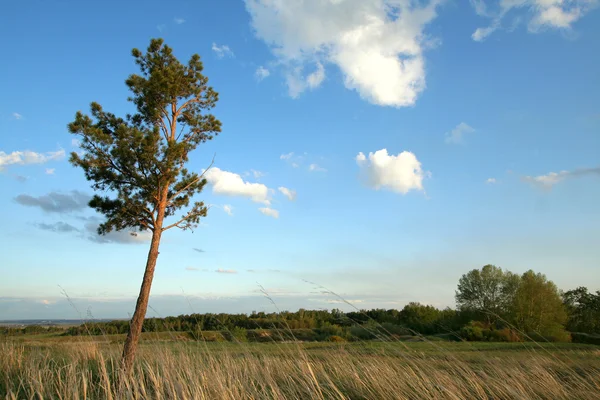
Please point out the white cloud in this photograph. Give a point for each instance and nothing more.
(16, 115)
(28, 157)
(75, 143)
(257, 174)
(549, 180)
(192, 269)
(50, 171)
(297, 83)
(290, 194)
(122, 237)
(552, 14)
(491, 181)
(226, 271)
(457, 134)
(222, 51)
(268, 211)
(228, 210)
(292, 159)
(377, 44)
(179, 21)
(231, 184)
(316, 168)
(262, 73)
(481, 34)
(401, 173)
(480, 7)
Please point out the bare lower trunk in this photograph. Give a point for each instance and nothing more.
(135, 328)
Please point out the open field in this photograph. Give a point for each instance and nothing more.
(52, 367)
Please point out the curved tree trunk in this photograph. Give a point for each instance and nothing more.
(137, 321)
(135, 327)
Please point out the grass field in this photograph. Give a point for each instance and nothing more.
(50, 366)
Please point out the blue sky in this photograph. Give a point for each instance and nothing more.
(377, 148)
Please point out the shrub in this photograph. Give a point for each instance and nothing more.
(556, 334)
(473, 332)
(504, 335)
(335, 338)
(579, 337)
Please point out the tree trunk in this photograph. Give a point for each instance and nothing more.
(135, 327)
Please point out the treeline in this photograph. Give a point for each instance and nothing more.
(491, 305)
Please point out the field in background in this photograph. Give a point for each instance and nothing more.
(50, 366)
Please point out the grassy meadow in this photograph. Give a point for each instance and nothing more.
(169, 366)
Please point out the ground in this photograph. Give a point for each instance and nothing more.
(53, 366)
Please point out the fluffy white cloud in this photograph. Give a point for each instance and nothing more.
(287, 156)
(222, 51)
(16, 115)
(401, 173)
(29, 157)
(50, 171)
(231, 184)
(549, 180)
(553, 14)
(262, 73)
(490, 181)
(457, 134)
(268, 211)
(179, 21)
(377, 44)
(228, 210)
(290, 194)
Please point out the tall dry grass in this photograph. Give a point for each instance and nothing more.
(89, 370)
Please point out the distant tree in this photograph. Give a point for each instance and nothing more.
(420, 318)
(139, 161)
(583, 309)
(538, 307)
(487, 292)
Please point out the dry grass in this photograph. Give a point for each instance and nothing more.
(88, 370)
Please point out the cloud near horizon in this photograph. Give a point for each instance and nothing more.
(226, 271)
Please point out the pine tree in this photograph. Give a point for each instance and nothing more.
(139, 162)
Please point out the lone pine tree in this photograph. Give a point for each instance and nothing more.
(139, 162)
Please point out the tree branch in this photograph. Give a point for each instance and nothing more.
(190, 101)
(187, 225)
(170, 199)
